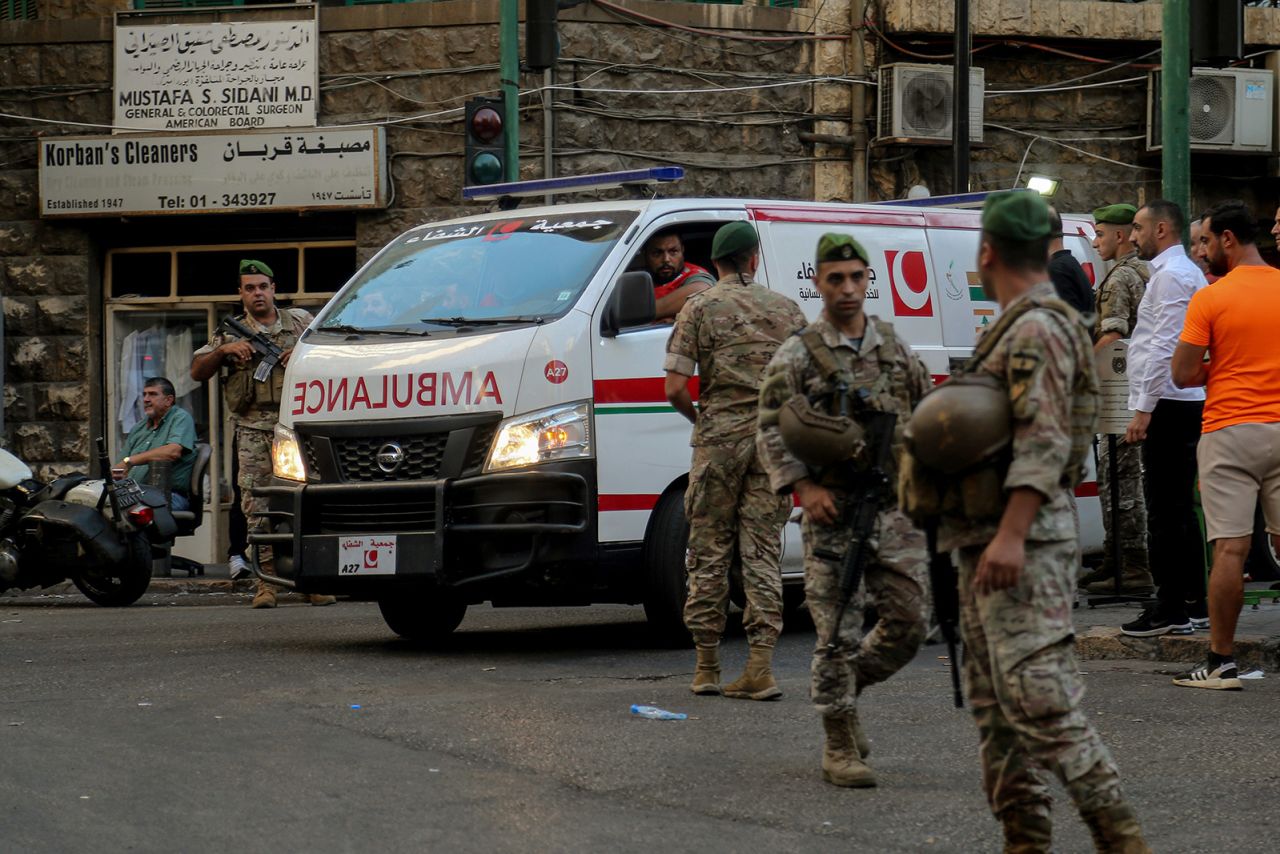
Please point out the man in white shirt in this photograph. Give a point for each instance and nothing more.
(1166, 420)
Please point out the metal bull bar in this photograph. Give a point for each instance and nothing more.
(259, 539)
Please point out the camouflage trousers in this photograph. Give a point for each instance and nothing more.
(1133, 506)
(1025, 687)
(253, 456)
(733, 514)
(894, 582)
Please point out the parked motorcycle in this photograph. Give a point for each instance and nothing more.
(99, 533)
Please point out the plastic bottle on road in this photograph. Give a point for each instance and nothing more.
(653, 713)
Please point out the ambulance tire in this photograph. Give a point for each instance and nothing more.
(665, 580)
(428, 618)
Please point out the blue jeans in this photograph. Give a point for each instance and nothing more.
(178, 501)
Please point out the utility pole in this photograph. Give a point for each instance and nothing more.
(960, 100)
(509, 71)
(858, 125)
(1175, 133)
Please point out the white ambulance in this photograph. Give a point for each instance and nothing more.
(479, 414)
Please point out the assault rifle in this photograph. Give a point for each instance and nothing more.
(861, 510)
(946, 604)
(262, 345)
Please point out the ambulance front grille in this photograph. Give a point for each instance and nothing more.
(357, 457)
(365, 517)
(478, 453)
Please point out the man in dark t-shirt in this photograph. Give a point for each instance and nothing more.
(1068, 277)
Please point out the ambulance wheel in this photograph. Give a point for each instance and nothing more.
(425, 618)
(665, 580)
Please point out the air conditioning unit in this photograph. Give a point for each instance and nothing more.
(1230, 109)
(915, 102)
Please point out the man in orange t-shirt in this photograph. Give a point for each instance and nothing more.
(1236, 321)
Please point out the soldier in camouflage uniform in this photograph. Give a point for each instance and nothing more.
(254, 406)
(727, 334)
(1117, 313)
(846, 349)
(1016, 555)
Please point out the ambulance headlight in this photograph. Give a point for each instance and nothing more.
(286, 455)
(560, 433)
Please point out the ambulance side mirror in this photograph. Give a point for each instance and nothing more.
(631, 304)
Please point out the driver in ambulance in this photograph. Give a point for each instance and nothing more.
(674, 279)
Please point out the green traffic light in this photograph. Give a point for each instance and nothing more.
(486, 168)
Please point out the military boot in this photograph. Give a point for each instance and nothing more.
(841, 764)
(265, 597)
(1101, 572)
(756, 681)
(1134, 581)
(706, 675)
(860, 739)
(321, 599)
(1115, 830)
(1027, 831)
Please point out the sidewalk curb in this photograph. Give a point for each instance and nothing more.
(1108, 643)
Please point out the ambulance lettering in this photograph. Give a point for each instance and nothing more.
(398, 391)
(909, 283)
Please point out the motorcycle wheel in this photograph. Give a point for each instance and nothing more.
(123, 584)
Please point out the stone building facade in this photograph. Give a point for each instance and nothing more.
(754, 100)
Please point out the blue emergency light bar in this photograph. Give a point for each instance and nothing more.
(575, 183)
(955, 200)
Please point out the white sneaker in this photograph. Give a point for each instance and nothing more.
(239, 568)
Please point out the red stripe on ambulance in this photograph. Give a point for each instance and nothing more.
(636, 390)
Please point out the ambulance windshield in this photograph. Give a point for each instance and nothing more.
(507, 270)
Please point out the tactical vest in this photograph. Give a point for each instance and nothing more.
(977, 494)
(1084, 389)
(879, 395)
(241, 391)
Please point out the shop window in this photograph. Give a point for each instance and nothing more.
(17, 10)
(140, 274)
(328, 267)
(156, 344)
(196, 4)
(216, 274)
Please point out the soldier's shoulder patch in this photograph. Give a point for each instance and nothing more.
(1027, 355)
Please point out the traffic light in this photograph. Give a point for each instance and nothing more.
(1217, 31)
(541, 43)
(485, 159)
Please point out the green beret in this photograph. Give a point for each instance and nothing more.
(732, 239)
(840, 247)
(1016, 215)
(1115, 214)
(255, 268)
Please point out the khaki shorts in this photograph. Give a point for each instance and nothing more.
(1239, 467)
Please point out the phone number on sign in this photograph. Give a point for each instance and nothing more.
(247, 200)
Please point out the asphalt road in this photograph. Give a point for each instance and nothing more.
(194, 729)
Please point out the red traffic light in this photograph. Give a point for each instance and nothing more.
(486, 124)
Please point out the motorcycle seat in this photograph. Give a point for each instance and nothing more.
(58, 489)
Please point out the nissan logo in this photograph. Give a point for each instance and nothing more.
(389, 457)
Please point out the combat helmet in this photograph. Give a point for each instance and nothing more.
(815, 438)
(961, 423)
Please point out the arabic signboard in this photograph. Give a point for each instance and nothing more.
(215, 76)
(213, 173)
(1113, 377)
